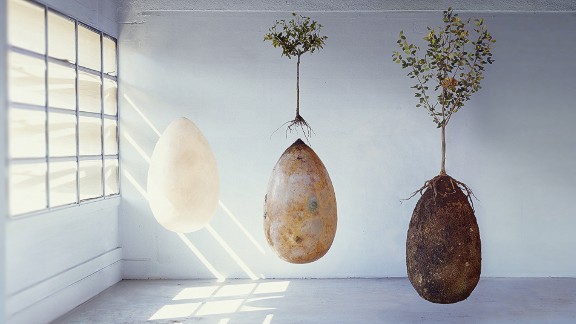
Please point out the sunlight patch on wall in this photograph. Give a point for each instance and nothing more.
(135, 184)
(231, 252)
(136, 109)
(201, 257)
(137, 147)
(242, 228)
(268, 319)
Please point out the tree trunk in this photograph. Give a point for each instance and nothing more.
(298, 87)
(443, 166)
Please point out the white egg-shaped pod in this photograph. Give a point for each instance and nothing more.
(183, 184)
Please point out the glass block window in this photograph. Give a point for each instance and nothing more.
(62, 110)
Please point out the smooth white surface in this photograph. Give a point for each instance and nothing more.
(514, 143)
(183, 184)
(388, 300)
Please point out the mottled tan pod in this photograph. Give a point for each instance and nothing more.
(443, 245)
(300, 206)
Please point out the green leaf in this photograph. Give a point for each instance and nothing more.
(296, 37)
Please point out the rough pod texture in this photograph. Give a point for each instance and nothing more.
(300, 206)
(183, 184)
(443, 245)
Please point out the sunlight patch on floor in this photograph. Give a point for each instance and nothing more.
(224, 299)
(175, 311)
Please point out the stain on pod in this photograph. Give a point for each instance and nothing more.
(183, 184)
(300, 206)
(443, 250)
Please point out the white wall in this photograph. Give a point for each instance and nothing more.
(57, 260)
(60, 259)
(3, 207)
(514, 144)
(100, 14)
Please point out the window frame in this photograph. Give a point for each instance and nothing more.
(48, 159)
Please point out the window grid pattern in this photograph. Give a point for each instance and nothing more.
(93, 155)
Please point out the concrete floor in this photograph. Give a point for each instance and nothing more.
(495, 300)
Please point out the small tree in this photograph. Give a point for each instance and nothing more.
(450, 70)
(296, 37)
(443, 232)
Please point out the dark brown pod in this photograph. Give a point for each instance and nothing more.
(300, 206)
(443, 253)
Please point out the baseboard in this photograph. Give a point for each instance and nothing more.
(55, 296)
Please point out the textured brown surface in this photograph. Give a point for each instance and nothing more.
(300, 206)
(443, 254)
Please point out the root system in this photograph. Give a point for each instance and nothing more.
(432, 184)
(298, 123)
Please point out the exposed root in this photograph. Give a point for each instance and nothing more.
(294, 125)
(428, 184)
(468, 192)
(432, 185)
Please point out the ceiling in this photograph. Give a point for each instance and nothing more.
(135, 6)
